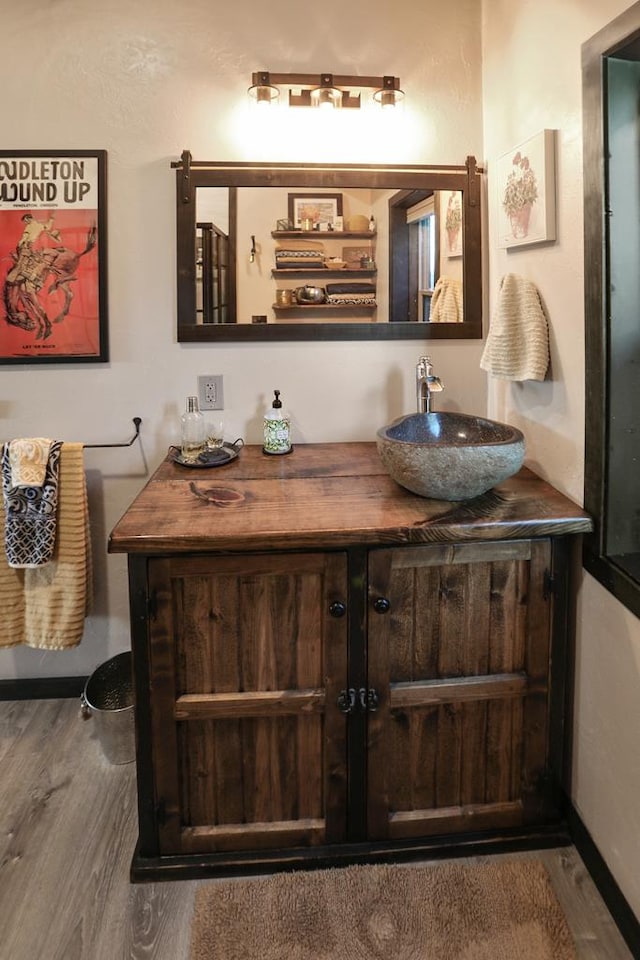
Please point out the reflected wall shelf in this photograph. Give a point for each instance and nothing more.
(325, 234)
(321, 272)
(302, 272)
(340, 307)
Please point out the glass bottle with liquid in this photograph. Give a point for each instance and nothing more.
(193, 431)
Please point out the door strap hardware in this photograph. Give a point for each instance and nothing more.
(347, 700)
(365, 700)
(368, 699)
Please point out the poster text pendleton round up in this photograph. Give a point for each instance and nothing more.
(40, 182)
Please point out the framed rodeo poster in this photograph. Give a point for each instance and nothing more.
(53, 256)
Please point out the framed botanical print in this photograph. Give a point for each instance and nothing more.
(526, 192)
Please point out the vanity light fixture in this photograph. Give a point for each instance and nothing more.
(389, 93)
(261, 89)
(324, 95)
(324, 90)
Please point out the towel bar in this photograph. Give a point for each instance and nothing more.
(136, 422)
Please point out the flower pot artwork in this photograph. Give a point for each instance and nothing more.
(453, 238)
(520, 221)
(453, 224)
(520, 194)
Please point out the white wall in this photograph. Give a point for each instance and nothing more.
(532, 80)
(145, 79)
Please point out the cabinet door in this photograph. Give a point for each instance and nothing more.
(460, 663)
(247, 663)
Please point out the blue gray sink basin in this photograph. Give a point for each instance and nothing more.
(449, 456)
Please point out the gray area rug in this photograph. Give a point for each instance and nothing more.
(497, 910)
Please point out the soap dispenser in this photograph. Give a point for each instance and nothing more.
(277, 428)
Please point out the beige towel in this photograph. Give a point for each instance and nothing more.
(446, 301)
(517, 346)
(45, 607)
(28, 459)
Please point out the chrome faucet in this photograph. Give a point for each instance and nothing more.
(426, 384)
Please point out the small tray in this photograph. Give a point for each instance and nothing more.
(210, 458)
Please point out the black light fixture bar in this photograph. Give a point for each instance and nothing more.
(337, 90)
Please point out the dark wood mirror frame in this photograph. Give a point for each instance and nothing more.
(193, 174)
(605, 433)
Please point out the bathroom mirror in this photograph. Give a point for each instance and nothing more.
(394, 251)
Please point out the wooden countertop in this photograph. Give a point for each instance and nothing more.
(329, 495)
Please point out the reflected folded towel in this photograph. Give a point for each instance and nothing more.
(517, 346)
(304, 256)
(351, 294)
(446, 301)
(351, 300)
(302, 245)
(45, 606)
(360, 289)
(30, 510)
(300, 253)
(28, 458)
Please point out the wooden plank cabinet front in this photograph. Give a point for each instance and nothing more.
(329, 669)
(459, 661)
(247, 663)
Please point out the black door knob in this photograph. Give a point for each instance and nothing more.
(381, 605)
(338, 608)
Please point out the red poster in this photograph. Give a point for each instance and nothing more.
(52, 257)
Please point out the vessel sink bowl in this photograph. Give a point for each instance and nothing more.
(449, 456)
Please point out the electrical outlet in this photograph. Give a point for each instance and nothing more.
(210, 392)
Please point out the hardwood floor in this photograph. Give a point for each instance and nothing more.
(67, 832)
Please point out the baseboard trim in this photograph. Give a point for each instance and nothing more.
(42, 688)
(617, 905)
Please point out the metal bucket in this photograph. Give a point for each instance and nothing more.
(108, 699)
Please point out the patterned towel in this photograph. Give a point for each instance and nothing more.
(45, 607)
(300, 253)
(30, 509)
(351, 299)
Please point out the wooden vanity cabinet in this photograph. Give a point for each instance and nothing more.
(256, 686)
(329, 669)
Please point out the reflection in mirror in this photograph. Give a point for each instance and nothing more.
(328, 253)
(426, 265)
(215, 255)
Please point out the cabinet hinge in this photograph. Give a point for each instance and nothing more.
(549, 587)
(152, 604)
(161, 813)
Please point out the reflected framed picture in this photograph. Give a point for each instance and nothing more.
(525, 179)
(453, 223)
(308, 210)
(53, 249)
